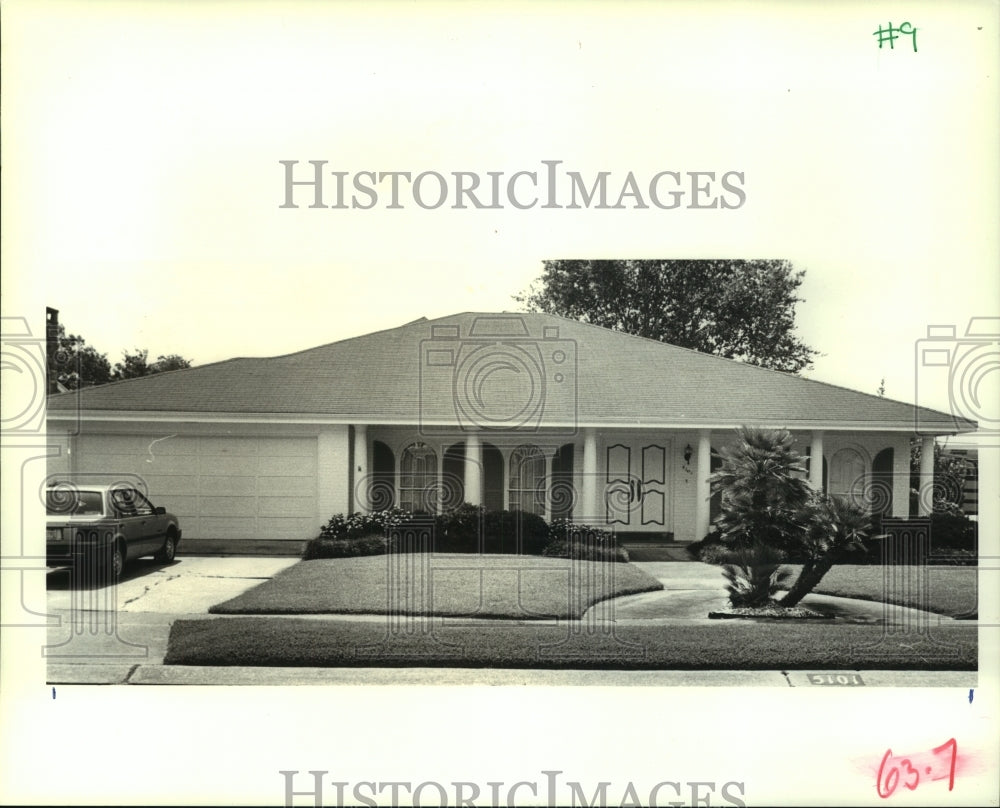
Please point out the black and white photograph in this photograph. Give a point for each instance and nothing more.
(500, 404)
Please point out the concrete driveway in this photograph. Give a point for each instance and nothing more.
(99, 635)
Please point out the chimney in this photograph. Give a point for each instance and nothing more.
(51, 345)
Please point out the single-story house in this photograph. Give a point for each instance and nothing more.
(518, 411)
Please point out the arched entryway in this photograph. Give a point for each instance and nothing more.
(492, 477)
(562, 492)
(382, 491)
(880, 490)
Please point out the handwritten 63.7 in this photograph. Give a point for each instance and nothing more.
(911, 770)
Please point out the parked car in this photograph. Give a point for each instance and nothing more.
(105, 526)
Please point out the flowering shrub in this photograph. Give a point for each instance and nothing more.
(465, 529)
(568, 539)
(565, 530)
(358, 525)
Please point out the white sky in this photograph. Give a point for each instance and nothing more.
(145, 194)
(141, 181)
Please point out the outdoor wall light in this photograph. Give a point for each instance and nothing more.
(688, 451)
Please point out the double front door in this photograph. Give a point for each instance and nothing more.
(636, 485)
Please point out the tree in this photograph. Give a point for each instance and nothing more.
(768, 510)
(764, 492)
(740, 309)
(72, 364)
(170, 362)
(950, 473)
(135, 365)
(833, 526)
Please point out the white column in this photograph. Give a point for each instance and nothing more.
(925, 502)
(361, 481)
(473, 470)
(901, 477)
(588, 489)
(333, 466)
(702, 489)
(816, 461)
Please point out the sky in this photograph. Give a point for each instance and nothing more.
(147, 202)
(142, 192)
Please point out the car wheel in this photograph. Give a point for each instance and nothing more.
(116, 561)
(166, 554)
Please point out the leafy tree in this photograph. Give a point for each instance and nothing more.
(950, 473)
(740, 309)
(137, 364)
(170, 362)
(72, 364)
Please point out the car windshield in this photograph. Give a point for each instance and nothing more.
(63, 502)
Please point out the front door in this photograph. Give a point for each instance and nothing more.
(636, 485)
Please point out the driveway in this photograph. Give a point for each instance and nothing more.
(98, 635)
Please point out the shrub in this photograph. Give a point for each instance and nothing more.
(953, 530)
(322, 547)
(568, 539)
(363, 524)
(584, 551)
(458, 530)
(514, 532)
(754, 575)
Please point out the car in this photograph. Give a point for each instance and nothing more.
(103, 527)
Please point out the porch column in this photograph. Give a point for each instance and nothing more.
(925, 502)
(702, 488)
(473, 470)
(588, 490)
(901, 477)
(333, 466)
(362, 483)
(816, 461)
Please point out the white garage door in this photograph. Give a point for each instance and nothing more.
(219, 488)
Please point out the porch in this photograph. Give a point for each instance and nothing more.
(644, 484)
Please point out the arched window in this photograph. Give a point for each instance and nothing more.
(418, 478)
(527, 480)
(849, 476)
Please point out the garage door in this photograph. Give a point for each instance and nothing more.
(220, 488)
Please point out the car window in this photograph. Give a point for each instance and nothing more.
(143, 506)
(124, 501)
(64, 502)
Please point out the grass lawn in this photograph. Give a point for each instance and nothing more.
(428, 642)
(949, 590)
(500, 586)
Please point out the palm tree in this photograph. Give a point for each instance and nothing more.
(833, 526)
(764, 498)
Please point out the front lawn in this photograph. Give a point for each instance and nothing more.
(395, 642)
(518, 587)
(950, 591)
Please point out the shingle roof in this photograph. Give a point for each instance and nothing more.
(548, 369)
